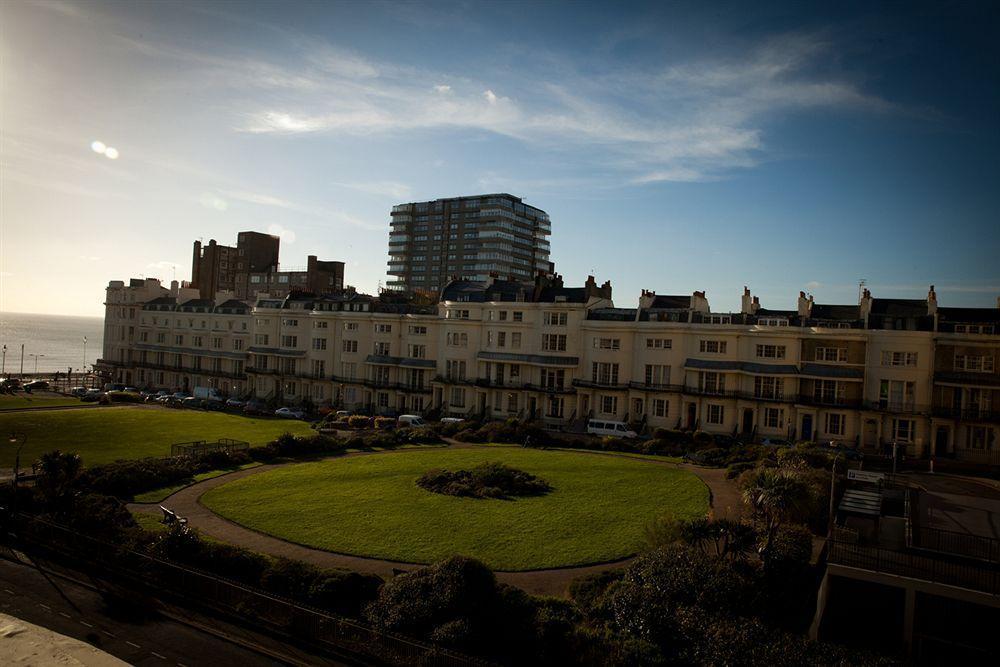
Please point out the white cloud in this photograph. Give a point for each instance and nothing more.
(813, 285)
(287, 235)
(213, 201)
(380, 188)
(684, 122)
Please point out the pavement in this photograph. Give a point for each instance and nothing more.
(724, 497)
(78, 612)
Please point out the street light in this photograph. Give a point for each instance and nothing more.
(3, 367)
(15, 438)
(36, 361)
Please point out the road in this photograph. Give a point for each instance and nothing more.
(77, 611)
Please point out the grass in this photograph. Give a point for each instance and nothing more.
(133, 432)
(158, 495)
(44, 400)
(371, 506)
(150, 522)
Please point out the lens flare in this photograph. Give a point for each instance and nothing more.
(98, 147)
(111, 153)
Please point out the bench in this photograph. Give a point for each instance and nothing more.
(170, 517)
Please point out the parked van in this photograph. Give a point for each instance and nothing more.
(410, 420)
(451, 420)
(617, 429)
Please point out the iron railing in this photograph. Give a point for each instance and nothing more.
(249, 606)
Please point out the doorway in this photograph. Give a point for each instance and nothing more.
(941, 437)
(692, 415)
(747, 420)
(807, 427)
(871, 434)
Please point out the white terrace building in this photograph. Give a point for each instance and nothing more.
(881, 371)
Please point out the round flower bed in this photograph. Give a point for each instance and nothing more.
(486, 480)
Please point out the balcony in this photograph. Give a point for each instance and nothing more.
(591, 384)
(973, 414)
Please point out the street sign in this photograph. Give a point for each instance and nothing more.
(865, 476)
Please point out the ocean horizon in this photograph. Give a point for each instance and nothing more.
(57, 340)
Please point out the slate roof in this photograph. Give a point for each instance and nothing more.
(899, 307)
(822, 311)
(969, 315)
(671, 302)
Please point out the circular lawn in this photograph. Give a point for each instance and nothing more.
(597, 510)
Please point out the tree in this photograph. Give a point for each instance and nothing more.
(58, 475)
(775, 496)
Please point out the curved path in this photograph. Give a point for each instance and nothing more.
(724, 500)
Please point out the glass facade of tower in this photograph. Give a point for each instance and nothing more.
(466, 237)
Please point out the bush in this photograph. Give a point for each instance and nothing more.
(120, 397)
(358, 421)
(702, 439)
(810, 457)
(344, 592)
(384, 423)
(734, 470)
(487, 480)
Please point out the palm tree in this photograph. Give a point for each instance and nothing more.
(720, 537)
(775, 496)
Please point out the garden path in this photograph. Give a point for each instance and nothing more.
(725, 501)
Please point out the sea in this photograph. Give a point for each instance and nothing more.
(57, 340)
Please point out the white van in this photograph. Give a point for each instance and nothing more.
(410, 420)
(617, 429)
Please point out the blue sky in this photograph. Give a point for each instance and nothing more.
(780, 146)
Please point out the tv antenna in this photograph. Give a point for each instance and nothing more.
(861, 288)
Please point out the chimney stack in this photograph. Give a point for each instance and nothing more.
(746, 302)
(931, 301)
(805, 305)
(866, 304)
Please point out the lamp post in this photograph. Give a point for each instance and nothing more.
(84, 354)
(36, 361)
(3, 366)
(833, 481)
(17, 438)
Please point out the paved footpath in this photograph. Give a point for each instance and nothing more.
(724, 498)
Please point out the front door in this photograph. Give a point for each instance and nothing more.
(941, 441)
(748, 420)
(807, 427)
(871, 434)
(692, 415)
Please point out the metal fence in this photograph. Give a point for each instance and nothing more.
(169, 581)
(974, 576)
(199, 447)
(951, 542)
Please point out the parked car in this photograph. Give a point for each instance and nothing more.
(9, 385)
(36, 385)
(165, 398)
(451, 420)
(181, 395)
(290, 413)
(255, 407)
(410, 420)
(212, 404)
(849, 453)
(192, 402)
(343, 413)
(235, 403)
(131, 389)
(616, 429)
(77, 391)
(92, 396)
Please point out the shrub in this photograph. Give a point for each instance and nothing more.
(358, 421)
(487, 480)
(418, 603)
(422, 435)
(702, 439)
(734, 470)
(384, 423)
(811, 457)
(343, 591)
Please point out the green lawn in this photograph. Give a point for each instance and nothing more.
(108, 434)
(371, 506)
(158, 495)
(45, 400)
